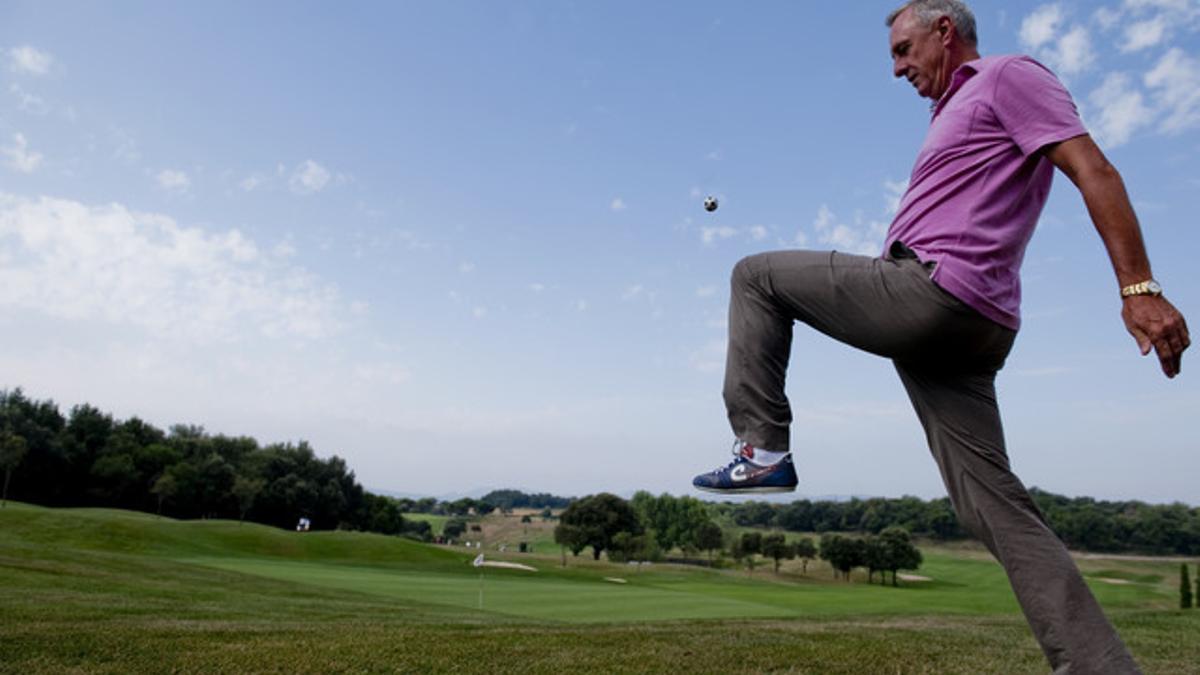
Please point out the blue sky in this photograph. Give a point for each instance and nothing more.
(462, 245)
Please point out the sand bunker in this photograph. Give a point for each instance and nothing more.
(506, 565)
(1115, 582)
(913, 577)
(615, 580)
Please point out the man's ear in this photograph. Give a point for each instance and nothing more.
(946, 30)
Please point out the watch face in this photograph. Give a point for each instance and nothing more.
(1153, 287)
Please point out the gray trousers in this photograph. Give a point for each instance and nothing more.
(947, 356)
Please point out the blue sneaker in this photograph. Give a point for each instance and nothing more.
(745, 477)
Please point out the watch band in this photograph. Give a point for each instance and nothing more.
(1147, 287)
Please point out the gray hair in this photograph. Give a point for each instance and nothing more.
(928, 11)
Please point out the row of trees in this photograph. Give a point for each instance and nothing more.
(648, 526)
(1082, 523)
(90, 459)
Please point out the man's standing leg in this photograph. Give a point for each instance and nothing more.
(962, 424)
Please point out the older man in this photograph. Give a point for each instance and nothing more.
(943, 304)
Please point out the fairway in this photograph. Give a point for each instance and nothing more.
(110, 591)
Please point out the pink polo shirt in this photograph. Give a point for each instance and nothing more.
(980, 183)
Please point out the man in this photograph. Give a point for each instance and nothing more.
(943, 303)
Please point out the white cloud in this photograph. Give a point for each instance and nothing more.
(617, 204)
(466, 267)
(28, 102)
(1074, 52)
(125, 147)
(29, 61)
(537, 288)
(308, 178)
(1122, 110)
(1175, 82)
(633, 292)
(893, 193)
(18, 156)
(479, 312)
(824, 219)
(1039, 28)
(173, 181)
(1143, 34)
(581, 305)
(1069, 54)
(1106, 18)
(758, 232)
(862, 237)
(76, 262)
(708, 235)
(252, 182)
(706, 291)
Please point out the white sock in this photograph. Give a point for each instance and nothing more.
(766, 457)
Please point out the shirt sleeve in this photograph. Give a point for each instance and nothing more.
(1033, 106)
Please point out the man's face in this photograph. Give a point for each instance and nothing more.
(919, 54)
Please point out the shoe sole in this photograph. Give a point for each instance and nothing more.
(746, 491)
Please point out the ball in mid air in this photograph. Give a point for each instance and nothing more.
(710, 203)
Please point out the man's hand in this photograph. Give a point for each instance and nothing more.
(1152, 321)
(1155, 323)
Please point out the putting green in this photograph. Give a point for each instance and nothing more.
(504, 592)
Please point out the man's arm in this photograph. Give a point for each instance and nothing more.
(1151, 320)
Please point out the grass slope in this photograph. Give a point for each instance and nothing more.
(107, 591)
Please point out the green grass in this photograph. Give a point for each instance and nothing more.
(88, 590)
(436, 523)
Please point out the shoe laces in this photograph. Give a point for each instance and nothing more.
(736, 451)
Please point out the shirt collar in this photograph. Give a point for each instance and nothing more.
(963, 73)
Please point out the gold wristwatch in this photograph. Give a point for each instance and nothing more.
(1147, 287)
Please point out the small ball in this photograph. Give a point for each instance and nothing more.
(710, 203)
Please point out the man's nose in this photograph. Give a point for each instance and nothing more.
(899, 68)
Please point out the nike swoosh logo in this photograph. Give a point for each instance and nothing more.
(739, 473)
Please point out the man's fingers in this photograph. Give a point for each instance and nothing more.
(1169, 355)
(1143, 340)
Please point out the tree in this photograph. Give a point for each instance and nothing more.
(843, 553)
(746, 547)
(774, 546)
(570, 537)
(709, 538)
(1185, 588)
(806, 550)
(245, 490)
(454, 527)
(876, 558)
(900, 553)
(165, 488)
(12, 451)
(628, 547)
(600, 517)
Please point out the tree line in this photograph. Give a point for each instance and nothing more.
(1082, 523)
(649, 528)
(88, 458)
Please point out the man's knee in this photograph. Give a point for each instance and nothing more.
(746, 270)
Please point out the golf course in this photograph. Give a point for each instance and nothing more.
(96, 590)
